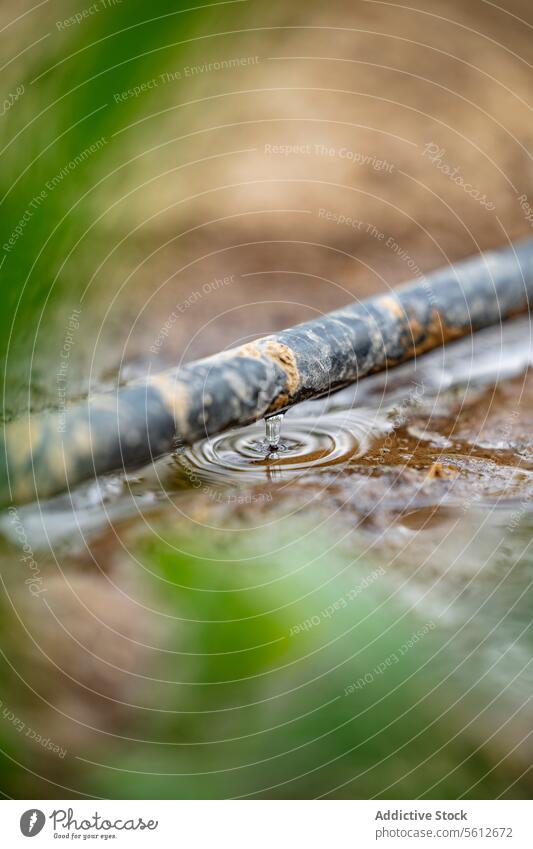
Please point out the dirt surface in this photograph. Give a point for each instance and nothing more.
(411, 95)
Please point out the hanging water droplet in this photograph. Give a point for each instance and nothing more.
(273, 431)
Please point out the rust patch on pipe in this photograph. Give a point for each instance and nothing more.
(175, 397)
(282, 356)
(280, 402)
(393, 306)
(437, 333)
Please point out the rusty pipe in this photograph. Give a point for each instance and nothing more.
(46, 453)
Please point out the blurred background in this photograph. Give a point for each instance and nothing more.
(176, 180)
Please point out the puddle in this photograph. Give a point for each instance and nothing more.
(306, 445)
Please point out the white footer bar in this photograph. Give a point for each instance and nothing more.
(266, 824)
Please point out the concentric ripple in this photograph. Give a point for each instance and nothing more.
(306, 444)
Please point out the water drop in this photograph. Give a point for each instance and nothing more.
(273, 431)
(307, 444)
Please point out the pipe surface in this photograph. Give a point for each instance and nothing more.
(47, 453)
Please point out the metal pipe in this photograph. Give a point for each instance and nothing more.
(47, 453)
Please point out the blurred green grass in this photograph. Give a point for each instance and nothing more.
(260, 681)
(68, 105)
